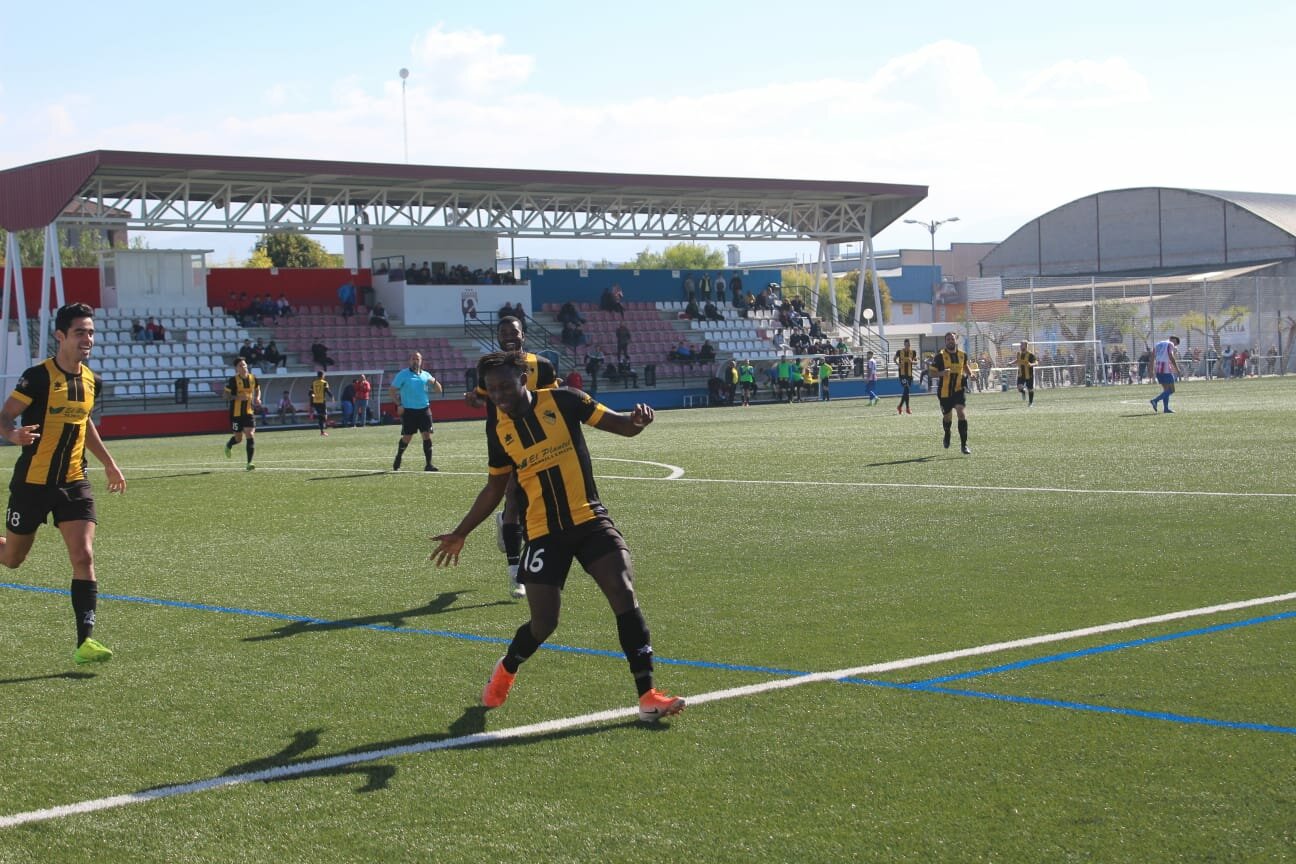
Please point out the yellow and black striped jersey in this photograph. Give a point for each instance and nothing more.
(957, 363)
(540, 375)
(905, 360)
(60, 403)
(320, 391)
(547, 449)
(241, 390)
(1025, 365)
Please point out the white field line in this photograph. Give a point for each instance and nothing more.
(676, 474)
(561, 724)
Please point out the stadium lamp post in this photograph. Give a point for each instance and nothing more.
(404, 74)
(931, 229)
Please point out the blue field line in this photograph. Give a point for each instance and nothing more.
(1166, 716)
(1106, 649)
(391, 628)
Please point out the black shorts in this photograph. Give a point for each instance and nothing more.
(947, 404)
(416, 420)
(238, 424)
(30, 505)
(1028, 383)
(547, 560)
(906, 380)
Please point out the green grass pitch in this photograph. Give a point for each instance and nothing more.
(276, 618)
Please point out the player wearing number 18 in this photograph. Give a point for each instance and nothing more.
(537, 435)
(55, 399)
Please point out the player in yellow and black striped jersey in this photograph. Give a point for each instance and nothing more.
(950, 368)
(1026, 372)
(320, 393)
(538, 436)
(243, 393)
(54, 400)
(905, 359)
(511, 336)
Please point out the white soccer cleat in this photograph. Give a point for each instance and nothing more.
(516, 588)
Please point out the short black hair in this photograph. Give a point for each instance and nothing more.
(67, 314)
(507, 360)
(511, 319)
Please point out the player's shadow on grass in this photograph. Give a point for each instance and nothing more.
(378, 774)
(70, 676)
(899, 462)
(442, 603)
(378, 473)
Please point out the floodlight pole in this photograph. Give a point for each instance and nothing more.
(931, 229)
(404, 74)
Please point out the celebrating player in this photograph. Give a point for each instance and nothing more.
(537, 436)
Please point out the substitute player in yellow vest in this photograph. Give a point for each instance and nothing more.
(537, 436)
(905, 360)
(243, 394)
(55, 399)
(1026, 372)
(949, 371)
(511, 336)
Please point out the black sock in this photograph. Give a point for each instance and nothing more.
(512, 534)
(400, 447)
(947, 424)
(524, 644)
(85, 597)
(632, 630)
(233, 440)
(251, 448)
(962, 432)
(1032, 397)
(427, 450)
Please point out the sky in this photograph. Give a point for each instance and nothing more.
(1004, 110)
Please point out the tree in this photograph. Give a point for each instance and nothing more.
(679, 256)
(1211, 327)
(290, 249)
(803, 283)
(78, 247)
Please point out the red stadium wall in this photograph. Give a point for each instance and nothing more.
(301, 287)
(80, 285)
(217, 422)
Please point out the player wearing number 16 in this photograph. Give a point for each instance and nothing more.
(538, 436)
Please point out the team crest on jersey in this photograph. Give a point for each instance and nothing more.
(550, 416)
(508, 437)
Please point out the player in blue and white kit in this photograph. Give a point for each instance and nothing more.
(409, 391)
(1165, 365)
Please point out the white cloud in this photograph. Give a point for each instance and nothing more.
(466, 62)
(1088, 83)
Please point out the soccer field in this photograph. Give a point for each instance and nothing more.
(1072, 645)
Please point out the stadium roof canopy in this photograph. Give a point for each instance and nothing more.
(185, 192)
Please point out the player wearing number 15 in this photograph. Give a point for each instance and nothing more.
(55, 400)
(950, 367)
(243, 394)
(537, 435)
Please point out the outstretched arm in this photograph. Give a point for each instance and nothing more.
(627, 424)
(450, 545)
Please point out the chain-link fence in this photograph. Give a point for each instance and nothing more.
(1234, 326)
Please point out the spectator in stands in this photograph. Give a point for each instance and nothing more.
(347, 297)
(154, 331)
(273, 358)
(707, 353)
(623, 342)
(362, 390)
(689, 293)
(378, 317)
(692, 311)
(736, 289)
(347, 403)
(763, 299)
(137, 331)
(610, 301)
(518, 312)
(624, 373)
(504, 311)
(258, 353)
(594, 360)
(683, 353)
(283, 307)
(1271, 360)
(568, 314)
(711, 313)
(245, 351)
(425, 274)
(247, 310)
(267, 308)
(574, 380)
(319, 354)
(704, 287)
(286, 409)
